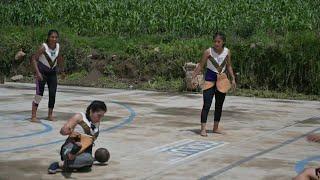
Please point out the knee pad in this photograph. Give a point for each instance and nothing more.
(37, 99)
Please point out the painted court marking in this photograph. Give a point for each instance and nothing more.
(233, 145)
(126, 120)
(47, 127)
(249, 158)
(301, 164)
(189, 149)
(177, 151)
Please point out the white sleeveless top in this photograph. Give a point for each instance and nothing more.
(79, 129)
(219, 58)
(52, 54)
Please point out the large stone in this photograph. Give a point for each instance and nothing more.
(192, 83)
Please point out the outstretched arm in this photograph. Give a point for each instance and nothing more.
(202, 62)
(34, 59)
(60, 62)
(230, 70)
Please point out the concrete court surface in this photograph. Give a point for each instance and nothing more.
(154, 135)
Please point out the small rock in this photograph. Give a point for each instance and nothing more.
(113, 57)
(16, 78)
(19, 55)
(94, 55)
(157, 49)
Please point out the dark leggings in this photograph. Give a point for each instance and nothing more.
(49, 78)
(207, 101)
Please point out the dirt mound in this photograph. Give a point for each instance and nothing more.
(93, 76)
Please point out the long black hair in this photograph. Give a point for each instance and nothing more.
(94, 107)
(50, 32)
(222, 36)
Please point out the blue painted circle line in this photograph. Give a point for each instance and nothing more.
(47, 128)
(126, 120)
(299, 167)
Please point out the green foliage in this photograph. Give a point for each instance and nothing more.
(182, 17)
(275, 44)
(289, 62)
(162, 84)
(77, 76)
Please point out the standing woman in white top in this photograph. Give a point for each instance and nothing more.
(45, 62)
(221, 56)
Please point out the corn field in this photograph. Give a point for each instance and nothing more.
(182, 17)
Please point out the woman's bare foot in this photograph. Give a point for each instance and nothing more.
(218, 131)
(35, 120)
(50, 115)
(216, 128)
(203, 132)
(50, 118)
